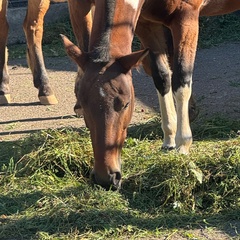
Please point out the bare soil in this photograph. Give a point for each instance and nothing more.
(216, 86)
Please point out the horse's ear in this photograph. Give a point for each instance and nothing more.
(75, 53)
(132, 60)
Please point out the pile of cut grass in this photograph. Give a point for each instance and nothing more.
(46, 192)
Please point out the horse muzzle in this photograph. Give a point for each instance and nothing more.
(111, 182)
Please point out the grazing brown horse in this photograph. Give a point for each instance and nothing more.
(33, 28)
(104, 91)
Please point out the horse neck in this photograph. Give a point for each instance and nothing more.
(113, 27)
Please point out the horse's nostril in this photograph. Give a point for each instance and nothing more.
(116, 179)
(78, 110)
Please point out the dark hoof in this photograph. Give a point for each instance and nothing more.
(168, 148)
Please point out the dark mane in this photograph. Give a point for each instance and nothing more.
(101, 51)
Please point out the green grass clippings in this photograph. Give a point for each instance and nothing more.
(46, 192)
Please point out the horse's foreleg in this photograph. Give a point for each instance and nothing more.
(192, 108)
(157, 65)
(33, 28)
(185, 36)
(161, 75)
(4, 76)
(81, 20)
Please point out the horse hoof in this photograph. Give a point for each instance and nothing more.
(166, 148)
(5, 99)
(48, 100)
(183, 150)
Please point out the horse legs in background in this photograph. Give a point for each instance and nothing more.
(184, 27)
(163, 43)
(81, 21)
(192, 108)
(158, 66)
(172, 77)
(4, 76)
(33, 28)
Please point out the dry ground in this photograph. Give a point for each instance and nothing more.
(216, 86)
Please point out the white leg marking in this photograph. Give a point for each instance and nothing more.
(184, 133)
(169, 119)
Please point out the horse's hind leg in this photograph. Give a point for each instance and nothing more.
(4, 76)
(162, 60)
(33, 28)
(157, 65)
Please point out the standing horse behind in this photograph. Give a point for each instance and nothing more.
(104, 88)
(170, 29)
(33, 28)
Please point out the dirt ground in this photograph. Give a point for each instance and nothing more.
(216, 86)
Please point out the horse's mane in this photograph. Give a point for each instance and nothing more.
(100, 52)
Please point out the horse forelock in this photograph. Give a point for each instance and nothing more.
(101, 52)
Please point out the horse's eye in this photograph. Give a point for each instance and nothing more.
(126, 105)
(119, 104)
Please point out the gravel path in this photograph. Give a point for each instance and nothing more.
(216, 87)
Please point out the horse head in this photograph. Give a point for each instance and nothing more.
(106, 96)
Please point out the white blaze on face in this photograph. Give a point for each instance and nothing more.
(102, 92)
(133, 3)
